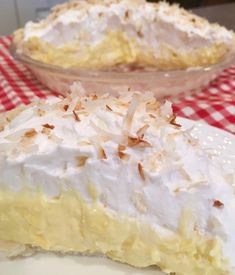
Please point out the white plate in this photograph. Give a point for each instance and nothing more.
(223, 145)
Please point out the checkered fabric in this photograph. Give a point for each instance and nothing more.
(214, 104)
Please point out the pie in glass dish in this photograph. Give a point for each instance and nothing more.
(124, 35)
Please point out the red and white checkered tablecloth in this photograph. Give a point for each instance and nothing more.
(214, 104)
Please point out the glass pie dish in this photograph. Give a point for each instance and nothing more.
(161, 83)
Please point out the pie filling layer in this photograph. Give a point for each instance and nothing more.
(67, 224)
(116, 49)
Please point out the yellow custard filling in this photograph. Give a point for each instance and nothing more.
(116, 49)
(67, 224)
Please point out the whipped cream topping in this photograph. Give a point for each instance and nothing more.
(128, 154)
(148, 24)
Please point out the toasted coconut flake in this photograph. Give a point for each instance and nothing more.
(48, 126)
(218, 204)
(127, 13)
(173, 121)
(140, 133)
(100, 151)
(152, 116)
(102, 154)
(81, 160)
(77, 118)
(65, 107)
(131, 112)
(121, 147)
(94, 97)
(121, 154)
(141, 171)
(109, 108)
(30, 133)
(134, 141)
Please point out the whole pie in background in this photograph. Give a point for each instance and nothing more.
(119, 34)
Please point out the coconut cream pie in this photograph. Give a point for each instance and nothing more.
(114, 34)
(115, 176)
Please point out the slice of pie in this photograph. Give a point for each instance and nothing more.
(115, 176)
(122, 34)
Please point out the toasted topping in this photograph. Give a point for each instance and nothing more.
(140, 34)
(49, 126)
(66, 106)
(94, 97)
(102, 154)
(141, 171)
(173, 121)
(81, 160)
(140, 133)
(109, 108)
(218, 204)
(76, 116)
(133, 141)
(100, 151)
(121, 154)
(126, 13)
(130, 112)
(30, 133)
